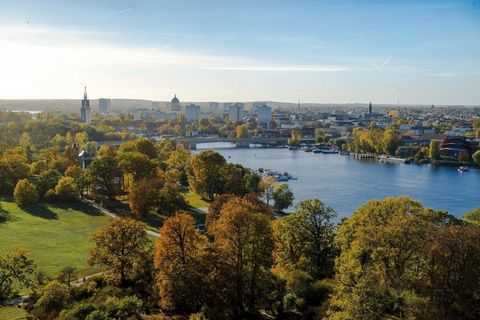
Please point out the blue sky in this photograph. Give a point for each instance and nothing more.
(313, 51)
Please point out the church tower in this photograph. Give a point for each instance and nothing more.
(85, 109)
(370, 109)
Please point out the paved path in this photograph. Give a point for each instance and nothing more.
(115, 216)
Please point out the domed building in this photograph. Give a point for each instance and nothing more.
(175, 104)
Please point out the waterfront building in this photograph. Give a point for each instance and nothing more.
(175, 104)
(264, 114)
(85, 108)
(192, 112)
(454, 148)
(104, 105)
(235, 112)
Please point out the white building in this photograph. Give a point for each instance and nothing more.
(235, 112)
(104, 105)
(192, 112)
(264, 114)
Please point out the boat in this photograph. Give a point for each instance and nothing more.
(330, 151)
(316, 150)
(344, 153)
(292, 148)
(389, 159)
(307, 149)
(463, 169)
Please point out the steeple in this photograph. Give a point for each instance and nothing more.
(370, 108)
(85, 93)
(85, 108)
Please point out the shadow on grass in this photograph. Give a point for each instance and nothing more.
(76, 206)
(41, 210)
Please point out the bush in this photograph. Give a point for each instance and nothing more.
(25, 193)
(50, 196)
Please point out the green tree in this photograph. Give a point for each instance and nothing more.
(47, 180)
(67, 275)
(203, 173)
(15, 270)
(305, 239)
(170, 200)
(13, 167)
(476, 157)
(473, 216)
(53, 298)
(65, 190)
(143, 195)
(25, 193)
(103, 173)
(282, 197)
(434, 150)
(122, 246)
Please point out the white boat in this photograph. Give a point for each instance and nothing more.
(463, 169)
(330, 151)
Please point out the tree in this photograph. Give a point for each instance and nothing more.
(241, 131)
(122, 246)
(13, 167)
(452, 283)
(47, 180)
(65, 189)
(137, 164)
(434, 150)
(25, 193)
(53, 298)
(15, 269)
(391, 140)
(305, 239)
(177, 257)
(244, 241)
(476, 157)
(282, 196)
(178, 160)
(170, 200)
(143, 195)
(67, 275)
(203, 173)
(294, 139)
(103, 173)
(79, 179)
(268, 184)
(382, 259)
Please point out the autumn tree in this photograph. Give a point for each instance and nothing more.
(170, 199)
(137, 164)
(268, 185)
(177, 257)
(79, 179)
(203, 173)
(15, 270)
(25, 193)
(13, 167)
(304, 239)
(244, 240)
(241, 131)
(143, 195)
(178, 160)
(53, 298)
(122, 246)
(295, 138)
(434, 150)
(282, 197)
(381, 259)
(476, 157)
(65, 190)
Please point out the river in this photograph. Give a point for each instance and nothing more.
(345, 183)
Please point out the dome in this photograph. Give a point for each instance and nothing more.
(175, 99)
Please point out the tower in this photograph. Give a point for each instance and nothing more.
(175, 104)
(370, 109)
(85, 109)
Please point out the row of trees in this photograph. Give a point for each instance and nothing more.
(392, 258)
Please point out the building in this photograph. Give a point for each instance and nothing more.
(192, 112)
(175, 104)
(264, 114)
(235, 112)
(103, 105)
(85, 109)
(213, 106)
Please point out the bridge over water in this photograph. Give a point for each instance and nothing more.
(242, 142)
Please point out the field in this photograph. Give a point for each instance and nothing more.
(194, 200)
(55, 235)
(12, 313)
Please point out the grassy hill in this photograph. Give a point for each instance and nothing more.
(55, 235)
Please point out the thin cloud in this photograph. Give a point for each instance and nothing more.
(384, 64)
(116, 13)
(304, 68)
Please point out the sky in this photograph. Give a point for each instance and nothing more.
(412, 52)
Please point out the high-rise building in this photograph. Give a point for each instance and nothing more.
(264, 114)
(213, 106)
(85, 109)
(175, 104)
(104, 105)
(235, 112)
(192, 112)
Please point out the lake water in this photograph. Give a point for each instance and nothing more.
(344, 183)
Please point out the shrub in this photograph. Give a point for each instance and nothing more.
(25, 193)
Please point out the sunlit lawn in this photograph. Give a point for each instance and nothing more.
(55, 235)
(194, 200)
(12, 313)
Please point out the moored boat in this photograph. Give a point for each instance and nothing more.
(463, 169)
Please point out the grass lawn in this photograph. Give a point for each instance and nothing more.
(194, 200)
(12, 313)
(55, 235)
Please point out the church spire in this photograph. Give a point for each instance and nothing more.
(85, 93)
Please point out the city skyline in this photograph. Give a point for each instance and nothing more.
(418, 52)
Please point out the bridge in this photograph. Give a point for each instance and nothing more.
(243, 142)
